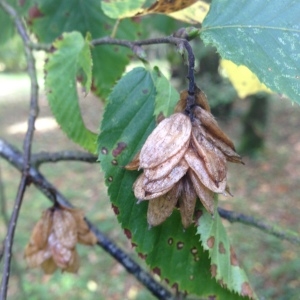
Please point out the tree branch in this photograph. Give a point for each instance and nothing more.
(275, 230)
(26, 145)
(135, 46)
(11, 154)
(45, 157)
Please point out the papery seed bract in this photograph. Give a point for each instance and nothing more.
(230, 154)
(135, 163)
(42, 230)
(159, 209)
(74, 263)
(205, 195)
(187, 202)
(84, 234)
(61, 255)
(166, 167)
(49, 266)
(200, 100)
(164, 183)
(167, 139)
(35, 257)
(212, 126)
(197, 165)
(213, 158)
(141, 194)
(65, 228)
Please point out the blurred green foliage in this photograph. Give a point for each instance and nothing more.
(12, 57)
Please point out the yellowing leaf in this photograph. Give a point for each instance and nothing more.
(193, 14)
(166, 6)
(244, 81)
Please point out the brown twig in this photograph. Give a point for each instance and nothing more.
(11, 154)
(33, 112)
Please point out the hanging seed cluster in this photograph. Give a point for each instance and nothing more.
(53, 240)
(183, 159)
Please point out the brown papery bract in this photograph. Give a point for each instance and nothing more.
(185, 157)
(166, 140)
(53, 240)
(200, 100)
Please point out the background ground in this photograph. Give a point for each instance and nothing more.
(267, 187)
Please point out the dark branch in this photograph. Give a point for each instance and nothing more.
(45, 157)
(21, 28)
(11, 154)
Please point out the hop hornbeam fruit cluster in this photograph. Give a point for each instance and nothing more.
(53, 240)
(183, 159)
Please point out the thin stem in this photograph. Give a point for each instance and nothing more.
(11, 154)
(115, 29)
(26, 145)
(275, 230)
(179, 42)
(45, 157)
(135, 47)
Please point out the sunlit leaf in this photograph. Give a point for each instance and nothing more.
(262, 35)
(118, 9)
(224, 264)
(244, 81)
(71, 56)
(172, 252)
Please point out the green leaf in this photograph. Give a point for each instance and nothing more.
(174, 253)
(7, 27)
(71, 57)
(262, 35)
(53, 17)
(118, 9)
(224, 263)
(166, 97)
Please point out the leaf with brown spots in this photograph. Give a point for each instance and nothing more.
(176, 253)
(224, 264)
